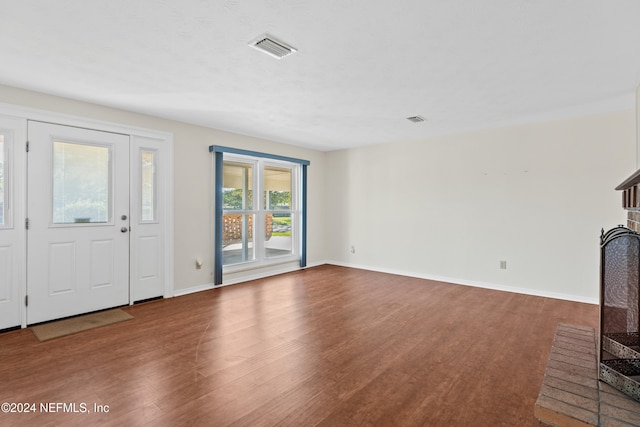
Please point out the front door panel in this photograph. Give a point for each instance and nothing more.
(78, 210)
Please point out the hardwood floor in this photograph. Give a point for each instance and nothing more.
(327, 346)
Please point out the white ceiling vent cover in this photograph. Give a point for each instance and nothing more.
(416, 119)
(272, 46)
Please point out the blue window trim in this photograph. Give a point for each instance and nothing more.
(217, 223)
(230, 150)
(303, 218)
(217, 247)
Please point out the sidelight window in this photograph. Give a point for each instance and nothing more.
(148, 204)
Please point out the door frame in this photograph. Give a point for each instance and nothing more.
(23, 114)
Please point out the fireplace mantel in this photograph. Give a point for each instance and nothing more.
(630, 194)
(632, 181)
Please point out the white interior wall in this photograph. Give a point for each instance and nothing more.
(452, 207)
(193, 236)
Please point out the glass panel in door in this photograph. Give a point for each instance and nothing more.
(148, 185)
(81, 183)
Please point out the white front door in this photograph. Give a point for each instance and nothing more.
(78, 221)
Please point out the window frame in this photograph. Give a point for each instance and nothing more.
(299, 181)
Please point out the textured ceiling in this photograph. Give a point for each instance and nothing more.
(361, 68)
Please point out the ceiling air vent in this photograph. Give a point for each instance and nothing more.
(416, 119)
(272, 46)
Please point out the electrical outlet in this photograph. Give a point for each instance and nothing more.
(503, 265)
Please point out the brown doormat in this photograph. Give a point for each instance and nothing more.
(48, 331)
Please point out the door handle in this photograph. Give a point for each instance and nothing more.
(124, 229)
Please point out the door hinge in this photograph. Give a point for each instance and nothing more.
(26, 300)
(27, 147)
(26, 223)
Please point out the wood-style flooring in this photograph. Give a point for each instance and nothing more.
(328, 346)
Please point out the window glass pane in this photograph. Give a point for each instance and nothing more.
(277, 188)
(148, 185)
(237, 186)
(237, 238)
(278, 239)
(81, 184)
(2, 181)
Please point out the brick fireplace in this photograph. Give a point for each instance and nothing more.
(571, 392)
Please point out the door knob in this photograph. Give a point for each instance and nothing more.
(123, 217)
(124, 229)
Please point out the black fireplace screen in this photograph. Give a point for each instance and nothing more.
(619, 310)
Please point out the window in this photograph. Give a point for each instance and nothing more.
(258, 230)
(260, 210)
(148, 205)
(81, 183)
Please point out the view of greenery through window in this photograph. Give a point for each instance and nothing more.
(232, 198)
(281, 221)
(277, 198)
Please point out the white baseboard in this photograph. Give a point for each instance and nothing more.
(193, 289)
(493, 286)
(270, 273)
(476, 284)
(208, 286)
